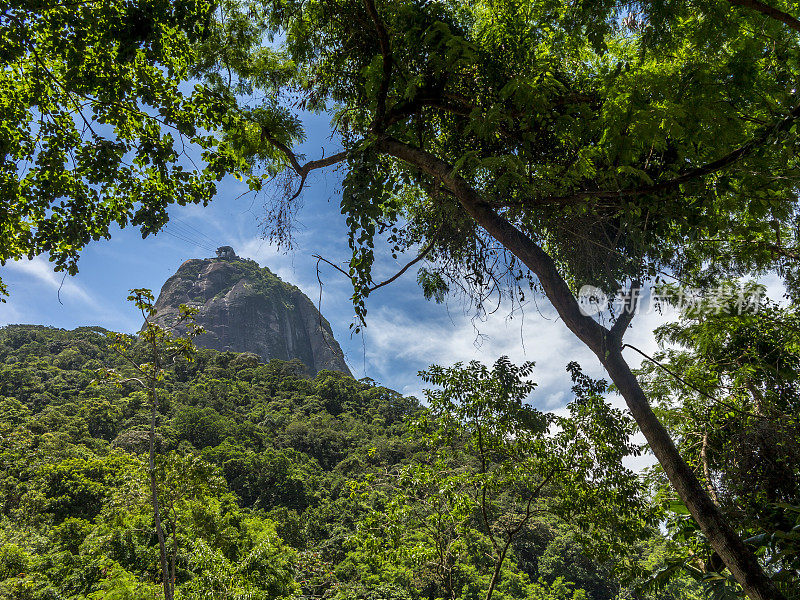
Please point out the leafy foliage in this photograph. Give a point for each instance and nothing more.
(734, 411)
(100, 126)
(260, 472)
(624, 139)
(496, 474)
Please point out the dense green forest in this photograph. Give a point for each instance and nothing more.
(508, 148)
(276, 484)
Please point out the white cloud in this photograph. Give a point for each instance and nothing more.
(41, 271)
(393, 337)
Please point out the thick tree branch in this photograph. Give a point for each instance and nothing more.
(769, 11)
(316, 164)
(301, 169)
(541, 264)
(321, 163)
(725, 541)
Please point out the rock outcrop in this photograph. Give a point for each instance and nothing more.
(246, 308)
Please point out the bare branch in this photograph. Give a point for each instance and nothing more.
(334, 265)
(423, 253)
(414, 261)
(690, 386)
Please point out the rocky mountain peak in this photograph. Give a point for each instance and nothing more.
(246, 308)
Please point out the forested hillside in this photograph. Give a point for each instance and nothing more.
(274, 485)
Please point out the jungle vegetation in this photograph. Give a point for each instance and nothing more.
(273, 484)
(514, 146)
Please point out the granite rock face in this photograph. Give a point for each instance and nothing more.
(245, 308)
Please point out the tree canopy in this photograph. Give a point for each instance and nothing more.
(513, 144)
(624, 140)
(276, 485)
(100, 124)
(561, 143)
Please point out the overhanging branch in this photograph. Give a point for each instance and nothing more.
(411, 263)
(423, 253)
(301, 169)
(769, 11)
(697, 173)
(529, 252)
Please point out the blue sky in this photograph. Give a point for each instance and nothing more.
(405, 333)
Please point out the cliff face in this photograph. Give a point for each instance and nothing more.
(245, 308)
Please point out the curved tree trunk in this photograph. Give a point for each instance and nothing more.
(728, 545)
(606, 344)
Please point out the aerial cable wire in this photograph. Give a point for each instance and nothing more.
(181, 229)
(208, 237)
(188, 240)
(180, 237)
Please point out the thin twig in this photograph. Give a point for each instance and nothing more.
(689, 385)
(411, 263)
